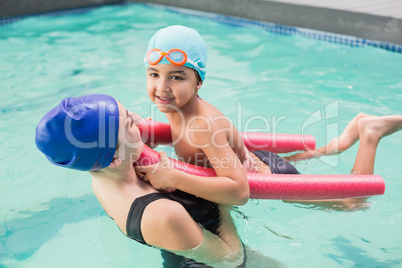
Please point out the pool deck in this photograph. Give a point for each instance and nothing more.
(384, 8)
(369, 19)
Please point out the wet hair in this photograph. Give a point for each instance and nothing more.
(197, 76)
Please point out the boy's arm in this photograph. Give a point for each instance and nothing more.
(221, 190)
(167, 225)
(230, 186)
(231, 183)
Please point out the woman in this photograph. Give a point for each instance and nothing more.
(96, 133)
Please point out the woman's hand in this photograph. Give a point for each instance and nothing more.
(161, 175)
(151, 144)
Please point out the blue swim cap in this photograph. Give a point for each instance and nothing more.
(186, 39)
(80, 133)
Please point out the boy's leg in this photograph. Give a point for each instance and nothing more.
(371, 130)
(349, 136)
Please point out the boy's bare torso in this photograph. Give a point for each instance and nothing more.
(209, 121)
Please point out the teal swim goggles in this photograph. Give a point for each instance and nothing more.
(175, 56)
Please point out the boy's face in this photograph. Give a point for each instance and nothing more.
(171, 87)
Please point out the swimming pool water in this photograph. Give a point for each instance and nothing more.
(263, 81)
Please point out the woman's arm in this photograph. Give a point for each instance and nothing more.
(167, 225)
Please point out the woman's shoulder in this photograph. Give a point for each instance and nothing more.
(167, 224)
(163, 211)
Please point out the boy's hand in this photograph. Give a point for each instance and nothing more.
(161, 176)
(249, 164)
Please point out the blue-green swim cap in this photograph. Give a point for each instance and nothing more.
(80, 133)
(186, 39)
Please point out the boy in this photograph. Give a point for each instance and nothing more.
(176, 60)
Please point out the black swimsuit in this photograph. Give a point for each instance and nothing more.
(202, 211)
(277, 164)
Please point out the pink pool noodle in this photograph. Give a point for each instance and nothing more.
(277, 143)
(152, 131)
(288, 187)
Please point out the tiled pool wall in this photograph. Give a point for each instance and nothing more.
(350, 28)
